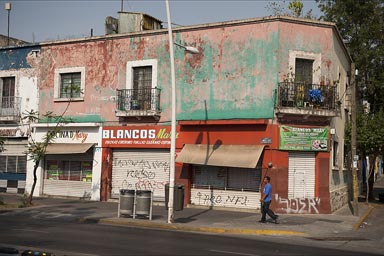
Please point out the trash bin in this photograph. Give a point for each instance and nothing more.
(178, 197)
(143, 202)
(127, 198)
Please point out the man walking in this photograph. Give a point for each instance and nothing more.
(265, 200)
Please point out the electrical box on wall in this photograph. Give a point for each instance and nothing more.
(332, 131)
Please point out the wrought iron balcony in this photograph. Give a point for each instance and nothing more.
(10, 109)
(138, 102)
(307, 99)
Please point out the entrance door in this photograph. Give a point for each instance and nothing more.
(301, 175)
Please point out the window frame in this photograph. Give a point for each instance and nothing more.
(335, 154)
(58, 82)
(66, 170)
(20, 163)
(141, 63)
(316, 69)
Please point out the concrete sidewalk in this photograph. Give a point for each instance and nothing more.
(199, 219)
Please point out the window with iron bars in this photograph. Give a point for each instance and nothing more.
(13, 164)
(142, 87)
(8, 92)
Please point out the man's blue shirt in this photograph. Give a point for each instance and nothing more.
(268, 191)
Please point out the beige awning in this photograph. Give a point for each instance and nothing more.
(68, 148)
(245, 156)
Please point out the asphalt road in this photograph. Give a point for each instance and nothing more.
(63, 235)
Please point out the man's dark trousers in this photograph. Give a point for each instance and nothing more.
(266, 210)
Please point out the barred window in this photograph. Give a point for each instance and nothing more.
(13, 164)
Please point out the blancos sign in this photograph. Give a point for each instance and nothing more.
(137, 136)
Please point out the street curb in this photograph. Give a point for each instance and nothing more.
(363, 218)
(179, 227)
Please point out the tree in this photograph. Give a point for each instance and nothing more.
(370, 141)
(37, 149)
(295, 8)
(361, 24)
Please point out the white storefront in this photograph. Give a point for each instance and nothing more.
(72, 163)
(140, 158)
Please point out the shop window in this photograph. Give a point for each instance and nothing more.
(68, 170)
(69, 84)
(229, 178)
(13, 164)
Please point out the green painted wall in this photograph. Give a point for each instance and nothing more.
(233, 80)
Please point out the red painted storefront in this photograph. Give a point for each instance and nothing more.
(274, 162)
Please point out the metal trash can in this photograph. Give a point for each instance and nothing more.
(127, 198)
(178, 197)
(143, 202)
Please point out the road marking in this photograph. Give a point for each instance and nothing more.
(236, 253)
(31, 230)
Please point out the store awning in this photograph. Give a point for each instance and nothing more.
(245, 156)
(68, 148)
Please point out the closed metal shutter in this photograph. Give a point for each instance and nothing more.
(140, 169)
(15, 148)
(246, 179)
(301, 175)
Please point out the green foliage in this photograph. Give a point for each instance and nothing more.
(369, 133)
(361, 25)
(295, 9)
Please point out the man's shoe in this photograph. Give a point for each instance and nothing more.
(262, 221)
(277, 216)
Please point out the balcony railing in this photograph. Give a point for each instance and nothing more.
(307, 95)
(10, 109)
(138, 102)
(297, 98)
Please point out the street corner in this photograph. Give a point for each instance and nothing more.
(362, 219)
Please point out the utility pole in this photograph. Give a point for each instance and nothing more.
(8, 8)
(355, 157)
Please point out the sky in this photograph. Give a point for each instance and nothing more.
(46, 20)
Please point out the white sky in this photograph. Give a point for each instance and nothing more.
(37, 21)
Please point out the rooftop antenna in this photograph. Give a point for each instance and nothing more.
(8, 8)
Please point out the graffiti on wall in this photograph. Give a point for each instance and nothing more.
(298, 205)
(231, 200)
(339, 198)
(143, 174)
